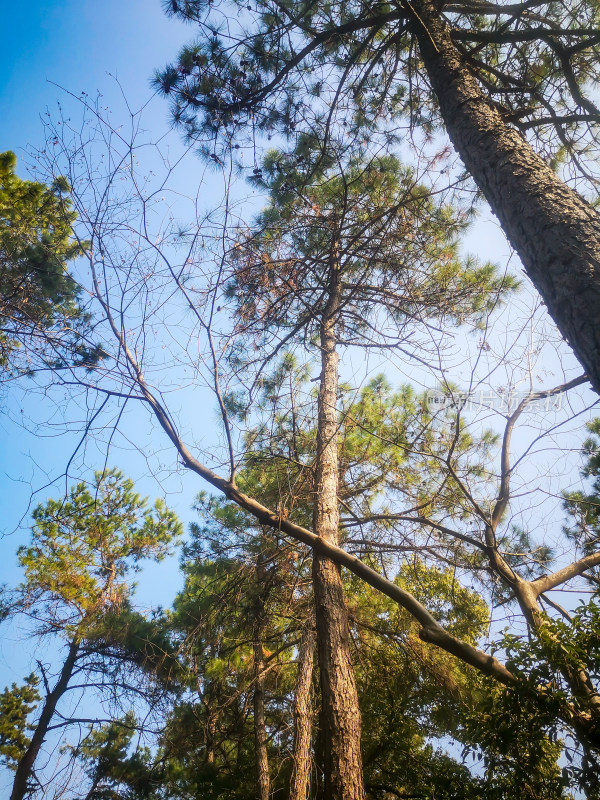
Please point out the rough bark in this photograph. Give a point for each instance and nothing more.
(303, 716)
(554, 230)
(263, 780)
(340, 712)
(26, 764)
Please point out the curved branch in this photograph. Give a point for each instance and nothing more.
(546, 582)
(431, 630)
(505, 467)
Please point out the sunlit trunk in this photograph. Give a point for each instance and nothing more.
(555, 232)
(303, 717)
(340, 713)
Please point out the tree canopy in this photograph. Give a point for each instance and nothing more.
(510, 83)
(82, 549)
(42, 320)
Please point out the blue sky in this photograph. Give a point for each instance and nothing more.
(75, 45)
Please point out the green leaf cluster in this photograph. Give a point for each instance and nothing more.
(368, 220)
(40, 302)
(83, 548)
(16, 704)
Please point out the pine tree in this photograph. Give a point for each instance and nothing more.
(42, 320)
(16, 705)
(494, 75)
(76, 568)
(357, 254)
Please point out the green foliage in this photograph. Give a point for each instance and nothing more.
(410, 693)
(116, 773)
(40, 310)
(132, 638)
(83, 548)
(413, 696)
(507, 729)
(404, 685)
(461, 611)
(16, 704)
(356, 67)
(393, 248)
(77, 567)
(208, 739)
(544, 697)
(584, 507)
(392, 447)
(519, 732)
(512, 733)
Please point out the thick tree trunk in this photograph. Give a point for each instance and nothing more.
(340, 712)
(303, 716)
(263, 781)
(26, 765)
(555, 232)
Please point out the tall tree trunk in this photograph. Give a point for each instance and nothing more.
(555, 231)
(303, 715)
(318, 787)
(26, 764)
(340, 711)
(263, 780)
